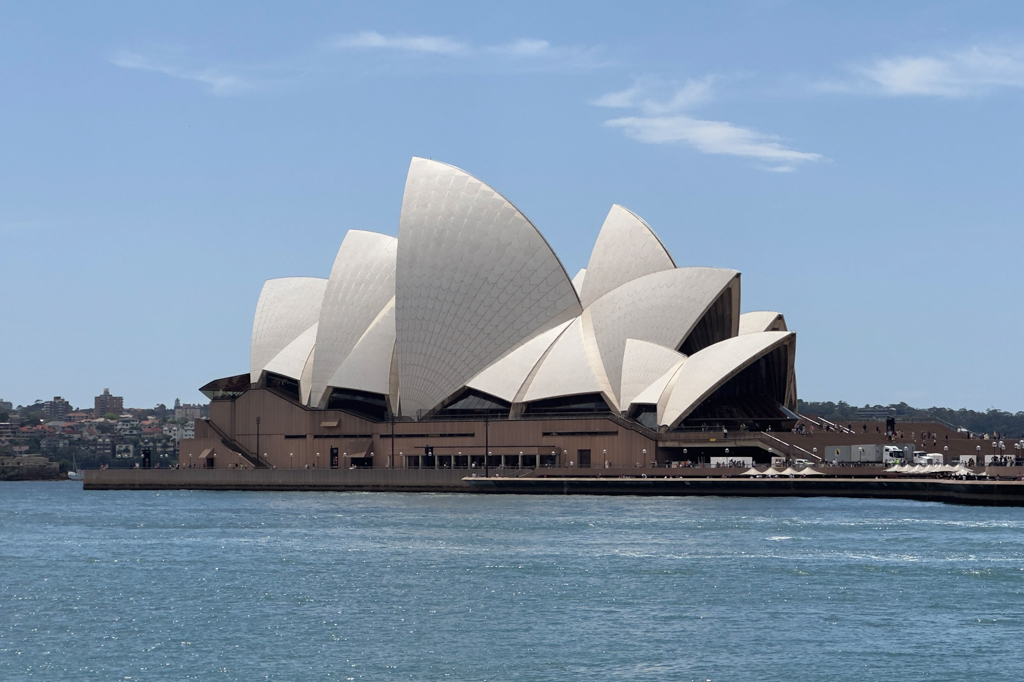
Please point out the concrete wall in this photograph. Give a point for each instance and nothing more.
(292, 436)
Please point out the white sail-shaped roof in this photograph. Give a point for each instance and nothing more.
(292, 359)
(661, 308)
(626, 249)
(762, 321)
(361, 284)
(475, 279)
(577, 281)
(287, 307)
(572, 366)
(368, 366)
(707, 370)
(643, 364)
(652, 395)
(296, 361)
(506, 376)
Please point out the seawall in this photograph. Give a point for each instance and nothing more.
(977, 492)
(371, 480)
(980, 492)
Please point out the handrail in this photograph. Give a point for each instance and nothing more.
(792, 445)
(236, 446)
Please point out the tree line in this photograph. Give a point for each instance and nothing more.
(989, 421)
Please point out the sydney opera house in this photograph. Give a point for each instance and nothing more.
(464, 343)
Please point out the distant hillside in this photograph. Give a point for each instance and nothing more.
(979, 422)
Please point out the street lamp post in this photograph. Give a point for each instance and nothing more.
(978, 462)
(291, 456)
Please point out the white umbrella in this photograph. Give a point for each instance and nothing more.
(893, 469)
(789, 471)
(751, 472)
(810, 472)
(769, 472)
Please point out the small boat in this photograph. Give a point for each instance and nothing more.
(75, 474)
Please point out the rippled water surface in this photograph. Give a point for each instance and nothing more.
(310, 586)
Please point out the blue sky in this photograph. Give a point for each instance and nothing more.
(860, 164)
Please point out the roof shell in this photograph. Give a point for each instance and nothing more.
(475, 279)
(292, 359)
(361, 284)
(572, 366)
(287, 307)
(643, 364)
(762, 321)
(707, 370)
(626, 249)
(577, 281)
(661, 308)
(368, 366)
(506, 376)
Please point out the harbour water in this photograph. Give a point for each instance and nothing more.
(166, 585)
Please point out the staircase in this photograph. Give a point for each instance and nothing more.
(235, 446)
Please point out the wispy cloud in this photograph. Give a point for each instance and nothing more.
(972, 72)
(665, 120)
(526, 47)
(529, 52)
(523, 54)
(428, 44)
(217, 80)
(641, 95)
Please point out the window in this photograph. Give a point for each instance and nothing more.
(583, 458)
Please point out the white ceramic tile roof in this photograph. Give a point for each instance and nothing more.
(287, 307)
(653, 394)
(577, 281)
(572, 366)
(361, 284)
(626, 249)
(661, 308)
(306, 378)
(762, 321)
(368, 366)
(504, 377)
(292, 359)
(643, 363)
(708, 369)
(475, 278)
